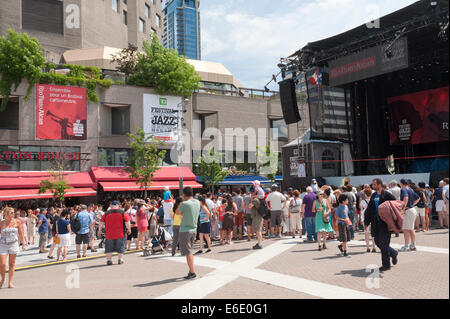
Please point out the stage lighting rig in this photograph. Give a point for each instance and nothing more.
(442, 35)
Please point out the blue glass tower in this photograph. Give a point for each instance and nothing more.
(181, 30)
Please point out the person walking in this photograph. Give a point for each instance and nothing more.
(410, 200)
(55, 217)
(275, 202)
(378, 228)
(176, 224)
(363, 204)
(63, 231)
(309, 216)
(42, 227)
(82, 236)
(323, 222)
(11, 235)
(344, 224)
(257, 218)
(190, 211)
(205, 225)
(113, 221)
(351, 207)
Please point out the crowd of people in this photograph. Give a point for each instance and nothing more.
(322, 213)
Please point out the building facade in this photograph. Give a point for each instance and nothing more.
(181, 30)
(61, 25)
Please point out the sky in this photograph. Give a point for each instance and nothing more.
(250, 36)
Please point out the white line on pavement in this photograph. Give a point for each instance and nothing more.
(435, 250)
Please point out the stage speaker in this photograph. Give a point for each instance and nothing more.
(289, 101)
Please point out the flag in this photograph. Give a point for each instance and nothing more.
(316, 78)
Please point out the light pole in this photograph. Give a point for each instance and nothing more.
(180, 125)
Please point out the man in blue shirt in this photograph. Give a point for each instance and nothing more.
(378, 228)
(410, 200)
(42, 227)
(82, 237)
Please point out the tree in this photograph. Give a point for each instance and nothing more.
(126, 60)
(146, 158)
(20, 57)
(268, 162)
(56, 184)
(210, 171)
(164, 70)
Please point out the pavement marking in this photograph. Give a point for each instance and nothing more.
(227, 272)
(426, 249)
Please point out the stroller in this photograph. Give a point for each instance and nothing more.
(158, 242)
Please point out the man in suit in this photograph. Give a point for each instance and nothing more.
(379, 228)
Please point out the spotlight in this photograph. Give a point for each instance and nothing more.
(281, 65)
(266, 89)
(389, 53)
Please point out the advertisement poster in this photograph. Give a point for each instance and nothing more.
(61, 112)
(419, 118)
(161, 116)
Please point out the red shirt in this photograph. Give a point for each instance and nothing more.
(114, 223)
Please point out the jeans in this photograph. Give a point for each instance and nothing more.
(168, 226)
(382, 240)
(351, 215)
(310, 223)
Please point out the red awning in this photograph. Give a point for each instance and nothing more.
(131, 186)
(110, 174)
(21, 180)
(17, 194)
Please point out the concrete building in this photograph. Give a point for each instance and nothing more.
(61, 25)
(182, 27)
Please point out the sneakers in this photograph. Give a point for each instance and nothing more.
(120, 262)
(374, 250)
(412, 247)
(50, 257)
(190, 276)
(340, 248)
(384, 268)
(199, 252)
(404, 248)
(257, 246)
(368, 250)
(394, 260)
(109, 262)
(209, 250)
(345, 254)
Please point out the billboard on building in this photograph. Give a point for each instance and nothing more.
(61, 112)
(161, 116)
(419, 118)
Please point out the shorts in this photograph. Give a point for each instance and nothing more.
(205, 228)
(440, 206)
(239, 219)
(267, 217)
(256, 221)
(275, 218)
(82, 239)
(228, 222)
(248, 219)
(12, 249)
(50, 235)
(186, 242)
(344, 233)
(115, 245)
(134, 233)
(295, 222)
(64, 240)
(409, 219)
(420, 211)
(43, 239)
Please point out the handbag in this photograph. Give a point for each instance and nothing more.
(326, 219)
(56, 239)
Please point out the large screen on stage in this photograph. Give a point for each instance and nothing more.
(419, 118)
(61, 112)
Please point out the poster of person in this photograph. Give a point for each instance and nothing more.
(61, 112)
(161, 116)
(419, 118)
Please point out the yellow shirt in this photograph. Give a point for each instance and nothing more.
(176, 218)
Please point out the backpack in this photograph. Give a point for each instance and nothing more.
(421, 203)
(263, 210)
(75, 224)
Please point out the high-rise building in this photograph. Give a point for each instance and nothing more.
(181, 30)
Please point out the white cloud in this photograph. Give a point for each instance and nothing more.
(249, 43)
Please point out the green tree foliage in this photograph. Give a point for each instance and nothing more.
(146, 158)
(210, 171)
(20, 57)
(164, 70)
(56, 184)
(126, 60)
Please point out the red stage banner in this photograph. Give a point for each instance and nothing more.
(61, 112)
(419, 118)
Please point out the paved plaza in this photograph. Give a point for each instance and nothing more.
(285, 269)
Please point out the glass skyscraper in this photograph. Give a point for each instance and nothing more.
(181, 30)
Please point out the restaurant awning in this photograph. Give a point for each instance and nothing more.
(22, 180)
(18, 194)
(132, 186)
(244, 180)
(117, 174)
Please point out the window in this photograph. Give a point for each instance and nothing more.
(125, 17)
(115, 5)
(153, 30)
(120, 117)
(113, 156)
(282, 128)
(43, 15)
(147, 10)
(158, 20)
(9, 119)
(328, 155)
(141, 25)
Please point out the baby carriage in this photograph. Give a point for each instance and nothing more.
(158, 242)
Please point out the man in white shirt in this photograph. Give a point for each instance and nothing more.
(167, 207)
(213, 211)
(394, 189)
(275, 202)
(314, 185)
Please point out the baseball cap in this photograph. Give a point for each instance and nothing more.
(115, 203)
(314, 180)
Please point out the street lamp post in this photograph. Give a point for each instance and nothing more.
(180, 119)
